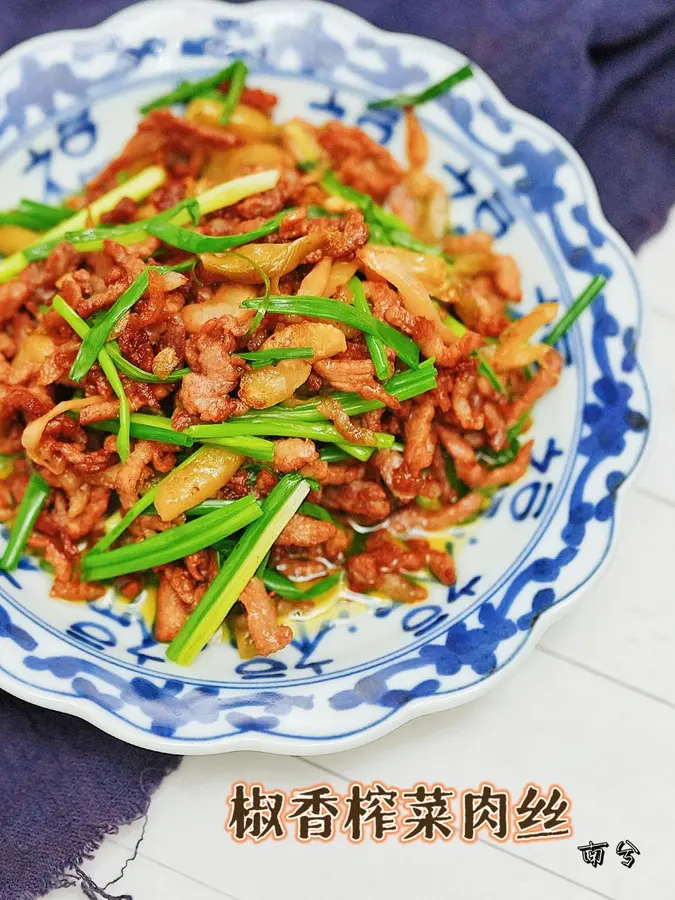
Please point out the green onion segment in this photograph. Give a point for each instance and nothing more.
(134, 373)
(259, 358)
(237, 80)
(584, 300)
(189, 210)
(403, 386)
(315, 511)
(96, 339)
(82, 330)
(137, 188)
(141, 431)
(430, 93)
(131, 515)
(255, 447)
(283, 426)
(187, 90)
(275, 581)
(145, 502)
(238, 569)
(376, 345)
(194, 242)
(176, 543)
(321, 308)
(32, 502)
(35, 216)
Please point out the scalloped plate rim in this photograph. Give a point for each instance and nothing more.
(270, 742)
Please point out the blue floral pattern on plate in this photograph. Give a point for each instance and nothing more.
(362, 667)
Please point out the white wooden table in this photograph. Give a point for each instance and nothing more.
(599, 720)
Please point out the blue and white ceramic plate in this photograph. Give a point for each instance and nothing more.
(358, 670)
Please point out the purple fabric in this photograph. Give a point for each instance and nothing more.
(63, 787)
(600, 71)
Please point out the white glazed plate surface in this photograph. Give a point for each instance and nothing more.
(68, 102)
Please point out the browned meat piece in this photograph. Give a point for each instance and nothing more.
(135, 471)
(257, 98)
(347, 427)
(292, 454)
(205, 391)
(298, 568)
(476, 242)
(357, 376)
(337, 546)
(401, 482)
(269, 202)
(136, 347)
(158, 134)
(495, 426)
(424, 332)
(467, 403)
(189, 581)
(401, 589)
(121, 267)
(344, 473)
(171, 613)
(359, 161)
(84, 513)
(266, 633)
(545, 379)
(343, 236)
(305, 531)
(431, 520)
(58, 553)
(365, 499)
(380, 565)
(440, 564)
(471, 472)
(125, 211)
(420, 441)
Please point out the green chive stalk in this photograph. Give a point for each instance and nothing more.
(194, 242)
(238, 569)
(315, 511)
(284, 587)
(134, 372)
(82, 330)
(403, 386)
(237, 81)
(143, 430)
(95, 340)
(188, 90)
(281, 427)
(36, 216)
(137, 188)
(131, 515)
(583, 301)
(176, 543)
(431, 93)
(376, 346)
(140, 506)
(321, 308)
(218, 197)
(33, 500)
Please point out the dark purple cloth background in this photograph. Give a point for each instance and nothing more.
(600, 71)
(63, 787)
